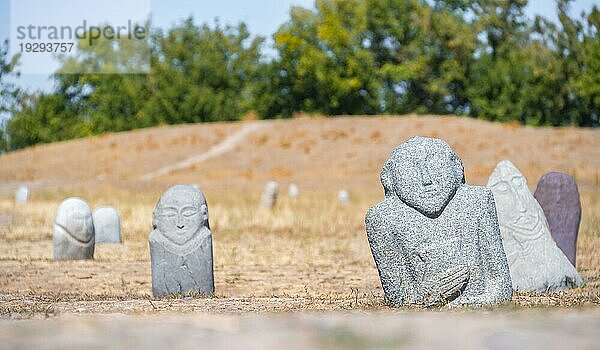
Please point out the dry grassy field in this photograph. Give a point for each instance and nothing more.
(309, 253)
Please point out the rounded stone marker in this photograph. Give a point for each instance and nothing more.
(22, 195)
(73, 231)
(293, 190)
(181, 244)
(558, 195)
(344, 197)
(268, 199)
(536, 263)
(107, 225)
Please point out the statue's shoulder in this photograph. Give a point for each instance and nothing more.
(475, 194)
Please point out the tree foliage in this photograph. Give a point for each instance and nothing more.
(480, 58)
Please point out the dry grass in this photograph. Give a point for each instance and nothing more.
(307, 254)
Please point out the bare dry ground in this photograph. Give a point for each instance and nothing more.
(309, 254)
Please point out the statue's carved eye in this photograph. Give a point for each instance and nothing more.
(501, 187)
(518, 181)
(189, 212)
(169, 214)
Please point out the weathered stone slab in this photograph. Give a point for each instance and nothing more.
(73, 231)
(181, 244)
(558, 195)
(536, 262)
(107, 225)
(22, 195)
(434, 239)
(268, 199)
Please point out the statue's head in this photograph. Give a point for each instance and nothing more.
(517, 208)
(180, 213)
(75, 216)
(424, 173)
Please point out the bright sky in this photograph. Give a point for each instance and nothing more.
(262, 17)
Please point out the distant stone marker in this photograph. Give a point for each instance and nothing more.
(107, 225)
(73, 231)
(268, 199)
(293, 190)
(434, 239)
(181, 244)
(22, 195)
(558, 195)
(536, 262)
(344, 197)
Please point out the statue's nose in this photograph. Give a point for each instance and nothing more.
(425, 177)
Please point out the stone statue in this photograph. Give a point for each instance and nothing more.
(536, 262)
(22, 195)
(343, 197)
(293, 191)
(268, 199)
(107, 225)
(434, 239)
(558, 195)
(73, 231)
(181, 244)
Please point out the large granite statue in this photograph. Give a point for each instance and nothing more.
(73, 231)
(107, 225)
(435, 240)
(558, 195)
(181, 244)
(536, 263)
(268, 198)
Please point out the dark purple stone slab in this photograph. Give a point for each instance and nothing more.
(558, 196)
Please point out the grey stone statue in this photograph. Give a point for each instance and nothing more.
(558, 196)
(22, 195)
(181, 244)
(268, 198)
(73, 231)
(107, 225)
(536, 262)
(434, 239)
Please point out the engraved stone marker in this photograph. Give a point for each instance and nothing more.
(268, 199)
(434, 239)
(558, 195)
(293, 190)
(22, 195)
(344, 197)
(536, 262)
(181, 244)
(107, 225)
(73, 231)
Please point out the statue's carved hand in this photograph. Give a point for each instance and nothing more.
(446, 286)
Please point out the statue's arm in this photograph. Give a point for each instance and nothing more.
(389, 259)
(498, 282)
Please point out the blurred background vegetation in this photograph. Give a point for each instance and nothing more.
(479, 58)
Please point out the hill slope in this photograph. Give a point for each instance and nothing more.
(316, 153)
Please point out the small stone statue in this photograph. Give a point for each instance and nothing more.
(22, 195)
(268, 199)
(558, 195)
(181, 244)
(293, 191)
(73, 231)
(536, 262)
(344, 197)
(107, 225)
(434, 239)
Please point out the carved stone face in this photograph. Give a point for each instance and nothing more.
(75, 216)
(517, 208)
(180, 213)
(424, 173)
